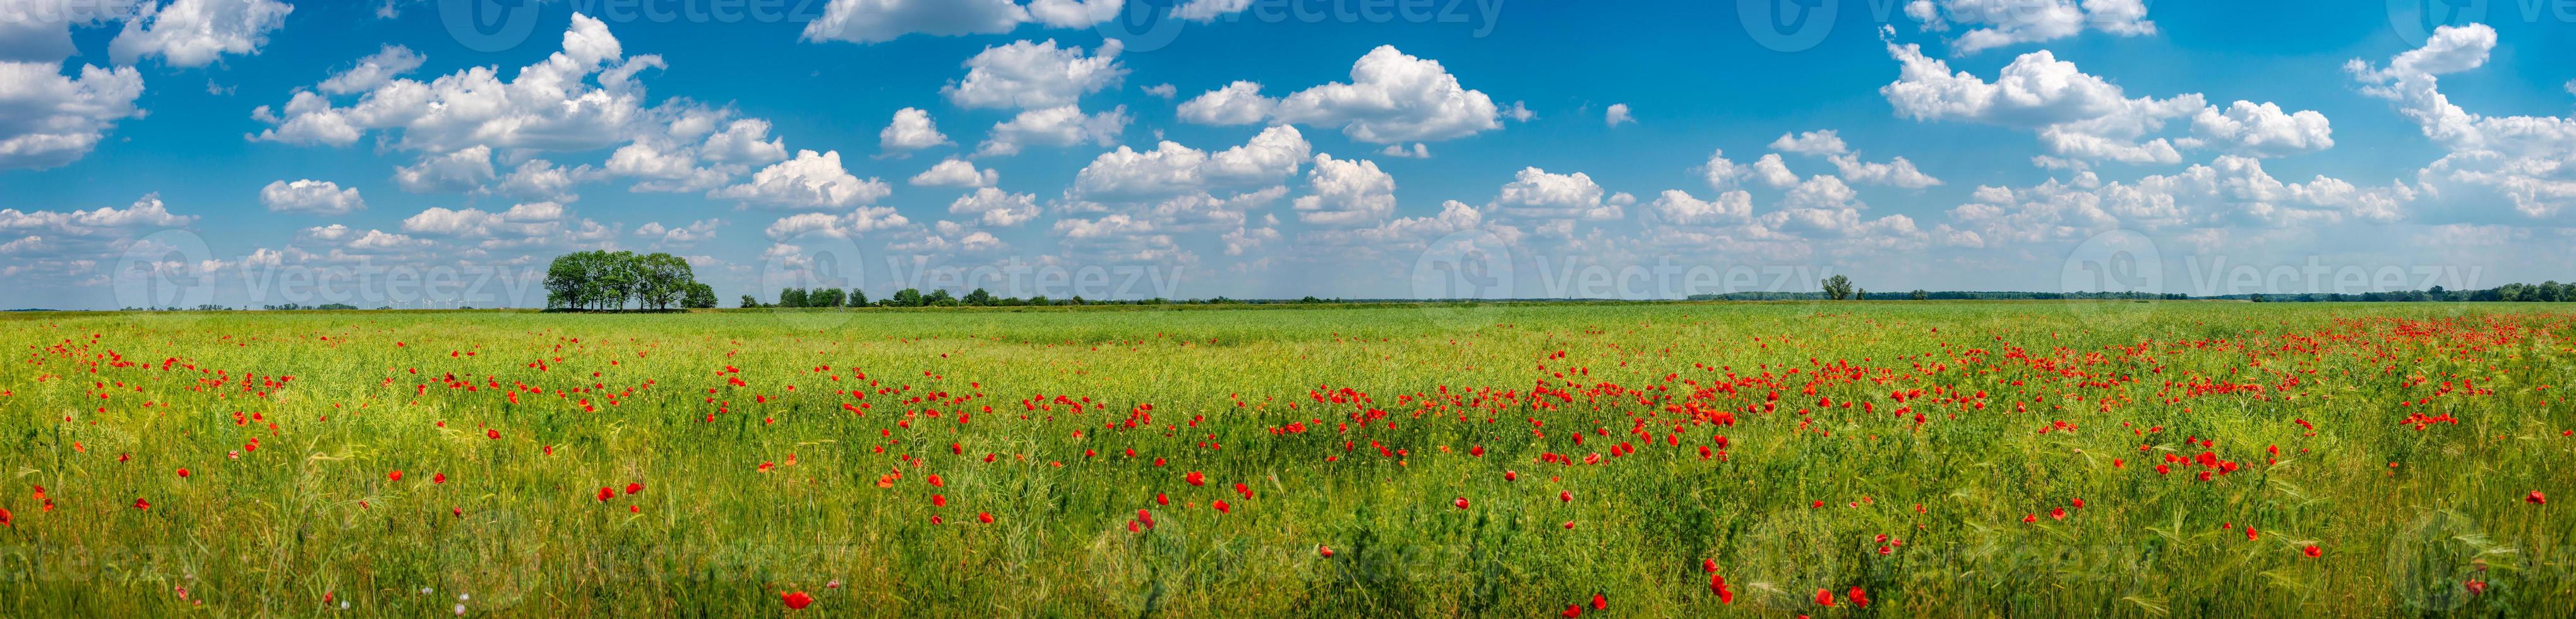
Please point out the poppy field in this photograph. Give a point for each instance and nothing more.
(2048, 459)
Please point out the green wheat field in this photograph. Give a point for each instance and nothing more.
(2038, 459)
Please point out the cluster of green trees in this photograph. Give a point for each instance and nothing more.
(609, 281)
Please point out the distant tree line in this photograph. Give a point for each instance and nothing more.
(914, 297)
(2544, 292)
(608, 281)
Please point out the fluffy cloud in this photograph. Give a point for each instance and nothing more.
(1172, 170)
(2232, 191)
(147, 212)
(1818, 143)
(550, 105)
(1678, 207)
(538, 179)
(745, 141)
(1539, 195)
(584, 97)
(1058, 127)
(1772, 171)
(809, 181)
(2086, 117)
(1619, 115)
(875, 21)
(1394, 97)
(1029, 75)
(2263, 130)
(1418, 151)
(2076, 114)
(1896, 172)
(52, 120)
(1996, 23)
(193, 33)
(1829, 144)
(911, 130)
(865, 220)
(2524, 160)
(373, 71)
(1239, 103)
(997, 208)
(457, 172)
(1721, 173)
(956, 173)
(1346, 193)
(311, 196)
(1209, 10)
(680, 236)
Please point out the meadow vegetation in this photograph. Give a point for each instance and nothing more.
(2051, 459)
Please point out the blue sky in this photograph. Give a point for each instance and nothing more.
(229, 151)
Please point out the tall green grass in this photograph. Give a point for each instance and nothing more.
(2403, 518)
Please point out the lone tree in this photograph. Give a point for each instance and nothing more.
(603, 280)
(1838, 288)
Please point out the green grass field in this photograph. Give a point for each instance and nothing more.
(2042, 459)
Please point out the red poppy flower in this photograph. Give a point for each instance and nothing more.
(139, 503)
(1195, 479)
(1327, 551)
(1600, 603)
(2312, 552)
(984, 517)
(633, 488)
(438, 478)
(1461, 502)
(797, 600)
(1565, 496)
(1221, 507)
(1571, 611)
(2535, 498)
(938, 500)
(395, 476)
(183, 472)
(1824, 597)
(605, 493)
(1859, 598)
(1717, 584)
